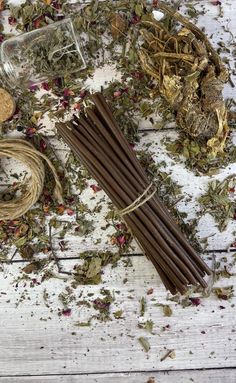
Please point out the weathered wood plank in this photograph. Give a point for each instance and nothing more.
(199, 376)
(36, 339)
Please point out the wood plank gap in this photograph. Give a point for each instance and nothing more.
(218, 251)
(133, 372)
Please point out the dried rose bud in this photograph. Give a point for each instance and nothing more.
(135, 19)
(66, 312)
(95, 188)
(30, 132)
(195, 301)
(121, 240)
(42, 145)
(12, 20)
(83, 93)
(60, 209)
(45, 86)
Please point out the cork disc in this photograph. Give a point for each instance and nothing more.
(7, 105)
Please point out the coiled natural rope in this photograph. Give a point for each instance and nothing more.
(24, 152)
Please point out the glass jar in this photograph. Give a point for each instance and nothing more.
(40, 55)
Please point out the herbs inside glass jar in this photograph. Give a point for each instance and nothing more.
(40, 55)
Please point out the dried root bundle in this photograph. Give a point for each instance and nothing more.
(190, 76)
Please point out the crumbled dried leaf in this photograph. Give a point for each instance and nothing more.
(145, 343)
(27, 251)
(218, 201)
(148, 325)
(32, 267)
(224, 293)
(167, 311)
(83, 324)
(118, 314)
(118, 25)
(143, 305)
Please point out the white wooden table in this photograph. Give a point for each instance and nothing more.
(37, 345)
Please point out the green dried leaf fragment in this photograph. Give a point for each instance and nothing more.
(167, 311)
(218, 201)
(83, 324)
(32, 267)
(21, 242)
(94, 267)
(118, 314)
(143, 306)
(27, 251)
(138, 10)
(148, 325)
(144, 343)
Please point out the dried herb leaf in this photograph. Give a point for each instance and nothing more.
(118, 314)
(118, 26)
(143, 305)
(144, 343)
(148, 325)
(32, 267)
(167, 311)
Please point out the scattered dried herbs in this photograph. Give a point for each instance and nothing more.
(102, 305)
(90, 272)
(219, 202)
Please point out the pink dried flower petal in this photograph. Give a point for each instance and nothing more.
(95, 188)
(117, 93)
(66, 312)
(30, 132)
(195, 301)
(70, 211)
(135, 19)
(45, 86)
(43, 145)
(121, 240)
(83, 93)
(12, 20)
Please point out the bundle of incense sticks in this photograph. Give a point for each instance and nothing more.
(97, 140)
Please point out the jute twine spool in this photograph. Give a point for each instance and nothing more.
(32, 186)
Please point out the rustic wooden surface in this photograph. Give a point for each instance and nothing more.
(38, 345)
(200, 376)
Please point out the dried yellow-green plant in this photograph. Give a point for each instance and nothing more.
(190, 76)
